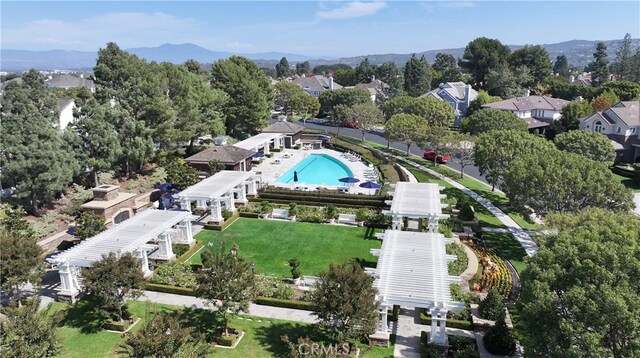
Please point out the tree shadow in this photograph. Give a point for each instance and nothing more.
(203, 321)
(370, 233)
(364, 263)
(270, 336)
(82, 315)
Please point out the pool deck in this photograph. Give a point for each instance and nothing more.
(270, 172)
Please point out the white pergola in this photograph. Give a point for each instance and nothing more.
(416, 201)
(262, 141)
(412, 271)
(218, 190)
(148, 231)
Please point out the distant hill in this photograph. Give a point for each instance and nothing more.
(578, 52)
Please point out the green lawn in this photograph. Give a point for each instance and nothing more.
(628, 182)
(81, 335)
(508, 247)
(270, 244)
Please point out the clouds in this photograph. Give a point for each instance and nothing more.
(128, 29)
(351, 10)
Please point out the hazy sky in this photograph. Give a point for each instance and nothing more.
(326, 28)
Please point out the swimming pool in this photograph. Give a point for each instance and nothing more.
(317, 169)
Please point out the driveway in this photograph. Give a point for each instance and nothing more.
(376, 137)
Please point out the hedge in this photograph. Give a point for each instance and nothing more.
(453, 323)
(276, 302)
(331, 194)
(250, 215)
(224, 225)
(170, 289)
(226, 341)
(197, 246)
(628, 173)
(275, 150)
(117, 326)
(319, 203)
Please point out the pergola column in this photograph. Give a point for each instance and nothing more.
(438, 326)
(396, 222)
(187, 232)
(164, 245)
(185, 204)
(242, 193)
(252, 187)
(383, 319)
(231, 201)
(68, 280)
(216, 210)
(266, 149)
(141, 253)
(432, 226)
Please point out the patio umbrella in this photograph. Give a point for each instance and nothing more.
(370, 185)
(165, 186)
(349, 180)
(295, 176)
(258, 155)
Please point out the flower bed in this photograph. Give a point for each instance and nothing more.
(495, 274)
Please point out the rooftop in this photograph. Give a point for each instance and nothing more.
(315, 82)
(453, 89)
(69, 81)
(528, 103)
(417, 200)
(285, 127)
(127, 236)
(105, 204)
(216, 185)
(252, 143)
(223, 153)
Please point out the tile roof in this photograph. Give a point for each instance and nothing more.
(284, 127)
(535, 123)
(223, 153)
(454, 89)
(63, 103)
(316, 82)
(627, 111)
(67, 81)
(529, 103)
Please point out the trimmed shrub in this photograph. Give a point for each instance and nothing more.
(466, 212)
(491, 307)
(249, 215)
(499, 339)
(453, 323)
(299, 305)
(180, 249)
(226, 214)
(224, 225)
(272, 287)
(170, 289)
(191, 251)
(228, 341)
(175, 273)
(120, 326)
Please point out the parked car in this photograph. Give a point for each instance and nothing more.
(431, 154)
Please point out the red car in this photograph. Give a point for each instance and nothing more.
(431, 154)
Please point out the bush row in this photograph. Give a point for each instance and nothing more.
(353, 202)
(453, 323)
(322, 194)
(249, 215)
(275, 302)
(170, 289)
(224, 225)
(185, 256)
(117, 326)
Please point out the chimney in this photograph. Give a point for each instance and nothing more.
(220, 141)
(330, 83)
(373, 79)
(527, 92)
(467, 95)
(572, 79)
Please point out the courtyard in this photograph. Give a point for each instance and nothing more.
(271, 243)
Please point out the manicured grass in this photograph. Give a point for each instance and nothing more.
(81, 336)
(628, 182)
(270, 244)
(508, 247)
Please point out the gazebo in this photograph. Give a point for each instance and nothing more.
(416, 201)
(151, 231)
(221, 189)
(412, 271)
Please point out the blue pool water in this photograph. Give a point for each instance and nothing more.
(317, 169)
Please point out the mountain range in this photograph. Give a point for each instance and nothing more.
(578, 52)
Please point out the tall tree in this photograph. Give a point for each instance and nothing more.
(195, 67)
(112, 280)
(482, 99)
(163, 335)
(417, 76)
(364, 117)
(303, 68)
(573, 112)
(499, 339)
(181, 173)
(461, 148)
(437, 113)
(390, 74)
(407, 128)
(250, 95)
(624, 90)
(345, 77)
(344, 302)
(600, 65)
(27, 332)
(282, 68)
(591, 145)
(365, 71)
(490, 119)
(536, 59)
(635, 62)
(226, 282)
(563, 182)
(580, 292)
(347, 97)
(444, 61)
(20, 257)
(561, 66)
(623, 64)
(496, 151)
(482, 55)
(507, 83)
(34, 157)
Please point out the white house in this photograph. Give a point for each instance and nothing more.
(537, 111)
(65, 107)
(458, 94)
(316, 84)
(621, 123)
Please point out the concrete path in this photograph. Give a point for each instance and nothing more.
(636, 200)
(470, 271)
(521, 235)
(254, 310)
(408, 333)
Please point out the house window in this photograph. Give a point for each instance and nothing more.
(618, 129)
(597, 127)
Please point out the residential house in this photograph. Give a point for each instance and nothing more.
(458, 94)
(65, 107)
(537, 111)
(67, 81)
(292, 131)
(378, 90)
(621, 123)
(316, 84)
(233, 158)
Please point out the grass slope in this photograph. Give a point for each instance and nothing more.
(270, 244)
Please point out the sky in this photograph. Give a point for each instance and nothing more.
(313, 28)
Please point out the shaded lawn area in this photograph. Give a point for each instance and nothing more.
(77, 329)
(271, 244)
(508, 247)
(628, 182)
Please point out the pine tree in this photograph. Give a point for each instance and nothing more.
(561, 67)
(282, 68)
(491, 307)
(499, 339)
(417, 76)
(600, 65)
(624, 60)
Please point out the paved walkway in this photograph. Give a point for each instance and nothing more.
(407, 331)
(470, 271)
(254, 310)
(521, 235)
